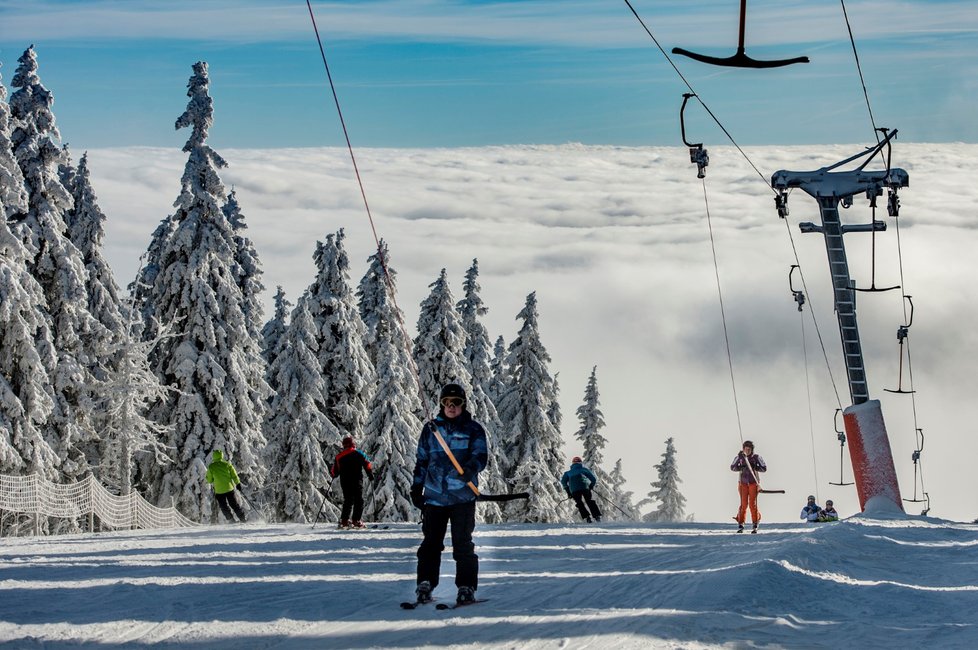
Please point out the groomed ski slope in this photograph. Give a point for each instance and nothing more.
(860, 583)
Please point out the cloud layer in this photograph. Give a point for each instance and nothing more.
(617, 245)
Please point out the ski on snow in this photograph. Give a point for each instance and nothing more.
(415, 604)
(457, 605)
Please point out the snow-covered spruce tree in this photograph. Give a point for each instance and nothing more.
(620, 498)
(348, 375)
(297, 426)
(478, 356)
(26, 358)
(500, 372)
(13, 192)
(57, 265)
(247, 266)
(128, 394)
(534, 458)
(372, 295)
(213, 361)
(141, 289)
(391, 433)
(665, 491)
(592, 421)
(86, 230)
(439, 348)
(273, 337)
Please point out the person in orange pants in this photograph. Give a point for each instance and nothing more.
(749, 465)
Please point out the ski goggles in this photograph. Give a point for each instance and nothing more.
(453, 401)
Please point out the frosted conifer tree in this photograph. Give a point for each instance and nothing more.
(213, 361)
(128, 394)
(535, 459)
(248, 266)
(348, 375)
(57, 265)
(665, 491)
(26, 358)
(620, 497)
(391, 433)
(372, 295)
(141, 290)
(86, 229)
(297, 426)
(13, 193)
(500, 372)
(478, 356)
(273, 336)
(592, 421)
(439, 348)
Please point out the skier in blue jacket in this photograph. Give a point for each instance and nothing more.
(578, 482)
(444, 495)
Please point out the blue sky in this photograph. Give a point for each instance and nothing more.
(429, 73)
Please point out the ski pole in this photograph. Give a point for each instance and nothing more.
(615, 505)
(323, 504)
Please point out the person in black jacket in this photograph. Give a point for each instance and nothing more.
(350, 464)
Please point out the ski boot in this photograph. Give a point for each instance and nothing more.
(423, 592)
(740, 528)
(754, 529)
(466, 596)
(344, 523)
(358, 524)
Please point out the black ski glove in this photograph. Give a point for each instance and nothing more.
(417, 496)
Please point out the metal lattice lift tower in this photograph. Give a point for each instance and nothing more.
(869, 446)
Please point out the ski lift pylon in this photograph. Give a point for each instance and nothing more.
(740, 59)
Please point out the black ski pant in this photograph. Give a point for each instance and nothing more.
(352, 501)
(228, 502)
(582, 496)
(436, 520)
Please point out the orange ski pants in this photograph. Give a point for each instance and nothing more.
(748, 496)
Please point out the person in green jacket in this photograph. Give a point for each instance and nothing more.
(221, 474)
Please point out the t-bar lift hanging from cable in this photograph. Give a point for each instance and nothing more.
(740, 59)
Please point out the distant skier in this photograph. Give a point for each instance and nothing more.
(221, 474)
(828, 513)
(444, 496)
(578, 483)
(350, 465)
(749, 465)
(811, 511)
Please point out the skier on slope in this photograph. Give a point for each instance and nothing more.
(221, 474)
(350, 464)
(578, 483)
(828, 513)
(444, 496)
(749, 465)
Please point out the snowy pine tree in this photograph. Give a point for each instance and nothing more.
(625, 510)
(247, 266)
(500, 371)
(27, 357)
(592, 421)
(665, 491)
(213, 361)
(297, 426)
(535, 460)
(273, 337)
(141, 290)
(13, 192)
(392, 429)
(347, 373)
(478, 356)
(58, 266)
(372, 295)
(439, 348)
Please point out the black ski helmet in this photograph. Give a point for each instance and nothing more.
(452, 390)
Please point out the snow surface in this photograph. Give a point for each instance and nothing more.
(859, 583)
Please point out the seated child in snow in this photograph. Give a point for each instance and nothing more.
(828, 513)
(811, 510)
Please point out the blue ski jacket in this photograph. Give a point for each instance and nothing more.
(577, 479)
(443, 485)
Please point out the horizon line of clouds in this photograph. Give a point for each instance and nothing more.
(549, 22)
